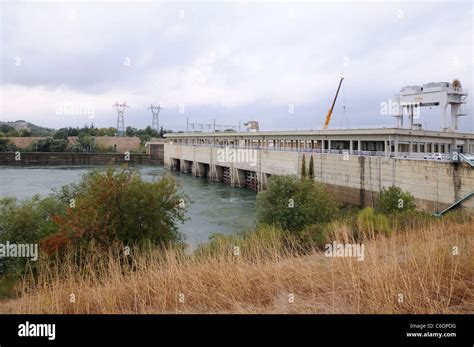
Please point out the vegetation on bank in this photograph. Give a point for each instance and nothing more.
(112, 240)
(265, 271)
(105, 208)
(112, 207)
(58, 140)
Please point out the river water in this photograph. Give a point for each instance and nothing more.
(215, 207)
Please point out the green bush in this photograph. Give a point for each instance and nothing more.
(6, 145)
(265, 241)
(119, 206)
(49, 145)
(314, 235)
(25, 222)
(28, 221)
(291, 204)
(370, 222)
(394, 199)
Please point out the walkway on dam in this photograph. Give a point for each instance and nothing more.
(400, 155)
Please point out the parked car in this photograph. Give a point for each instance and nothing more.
(434, 156)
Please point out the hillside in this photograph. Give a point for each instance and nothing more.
(35, 130)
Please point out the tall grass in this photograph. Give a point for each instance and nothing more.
(414, 271)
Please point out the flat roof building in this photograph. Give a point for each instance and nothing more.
(374, 141)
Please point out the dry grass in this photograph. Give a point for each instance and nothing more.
(418, 264)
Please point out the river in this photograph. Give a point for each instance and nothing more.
(215, 207)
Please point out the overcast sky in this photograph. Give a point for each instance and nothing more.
(278, 62)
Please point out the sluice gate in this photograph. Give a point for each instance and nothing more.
(251, 180)
(226, 176)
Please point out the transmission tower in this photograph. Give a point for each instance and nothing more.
(120, 121)
(155, 111)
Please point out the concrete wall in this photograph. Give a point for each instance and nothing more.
(52, 158)
(354, 179)
(121, 144)
(25, 142)
(156, 151)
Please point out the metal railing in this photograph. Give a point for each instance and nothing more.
(453, 205)
(469, 160)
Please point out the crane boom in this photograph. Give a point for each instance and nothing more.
(328, 117)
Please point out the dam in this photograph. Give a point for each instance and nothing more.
(435, 166)
(355, 164)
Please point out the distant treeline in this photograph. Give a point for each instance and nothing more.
(58, 140)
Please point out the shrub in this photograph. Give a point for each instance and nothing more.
(394, 199)
(314, 235)
(292, 204)
(49, 145)
(6, 145)
(369, 222)
(26, 222)
(119, 206)
(265, 242)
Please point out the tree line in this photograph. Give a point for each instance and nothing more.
(85, 138)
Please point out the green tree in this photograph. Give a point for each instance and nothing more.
(303, 167)
(6, 145)
(292, 204)
(24, 133)
(102, 132)
(93, 131)
(144, 138)
(394, 199)
(311, 169)
(5, 128)
(26, 221)
(111, 131)
(12, 133)
(131, 132)
(61, 134)
(73, 131)
(119, 206)
(85, 143)
(49, 145)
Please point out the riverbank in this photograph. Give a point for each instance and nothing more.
(214, 206)
(69, 158)
(411, 271)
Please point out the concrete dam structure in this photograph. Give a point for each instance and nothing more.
(354, 164)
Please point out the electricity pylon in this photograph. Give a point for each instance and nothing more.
(120, 119)
(155, 111)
